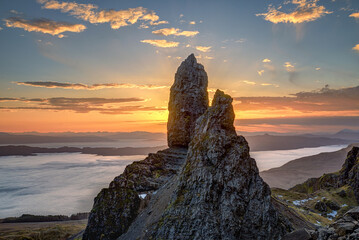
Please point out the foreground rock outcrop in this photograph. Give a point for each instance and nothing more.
(188, 101)
(345, 228)
(116, 207)
(220, 194)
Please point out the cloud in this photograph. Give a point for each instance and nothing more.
(91, 13)
(158, 23)
(174, 31)
(79, 86)
(81, 105)
(266, 60)
(260, 72)
(161, 43)
(249, 82)
(204, 57)
(269, 84)
(318, 68)
(303, 121)
(44, 25)
(192, 22)
(354, 15)
(356, 47)
(288, 66)
(203, 48)
(293, 74)
(306, 11)
(325, 99)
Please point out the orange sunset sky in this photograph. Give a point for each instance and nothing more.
(290, 66)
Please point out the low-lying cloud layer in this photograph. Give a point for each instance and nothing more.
(80, 105)
(81, 86)
(306, 11)
(91, 13)
(44, 25)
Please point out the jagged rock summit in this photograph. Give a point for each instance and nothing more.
(188, 101)
(211, 190)
(220, 194)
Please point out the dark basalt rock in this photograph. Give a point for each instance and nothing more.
(188, 101)
(116, 207)
(220, 194)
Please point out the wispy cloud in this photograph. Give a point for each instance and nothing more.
(266, 60)
(318, 68)
(249, 82)
(91, 13)
(81, 86)
(203, 48)
(175, 32)
(161, 43)
(159, 23)
(354, 15)
(192, 22)
(306, 11)
(81, 105)
(356, 47)
(44, 25)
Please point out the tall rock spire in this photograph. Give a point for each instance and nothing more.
(188, 101)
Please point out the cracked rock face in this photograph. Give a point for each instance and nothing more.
(188, 101)
(220, 194)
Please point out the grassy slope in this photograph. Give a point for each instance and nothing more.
(41, 231)
(306, 208)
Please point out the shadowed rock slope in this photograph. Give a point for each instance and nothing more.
(220, 194)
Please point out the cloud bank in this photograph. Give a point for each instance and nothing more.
(94, 15)
(80, 105)
(44, 25)
(81, 86)
(306, 11)
(323, 100)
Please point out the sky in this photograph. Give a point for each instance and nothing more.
(87, 66)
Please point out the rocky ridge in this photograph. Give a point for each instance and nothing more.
(220, 194)
(210, 191)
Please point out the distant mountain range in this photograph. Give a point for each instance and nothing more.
(263, 142)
